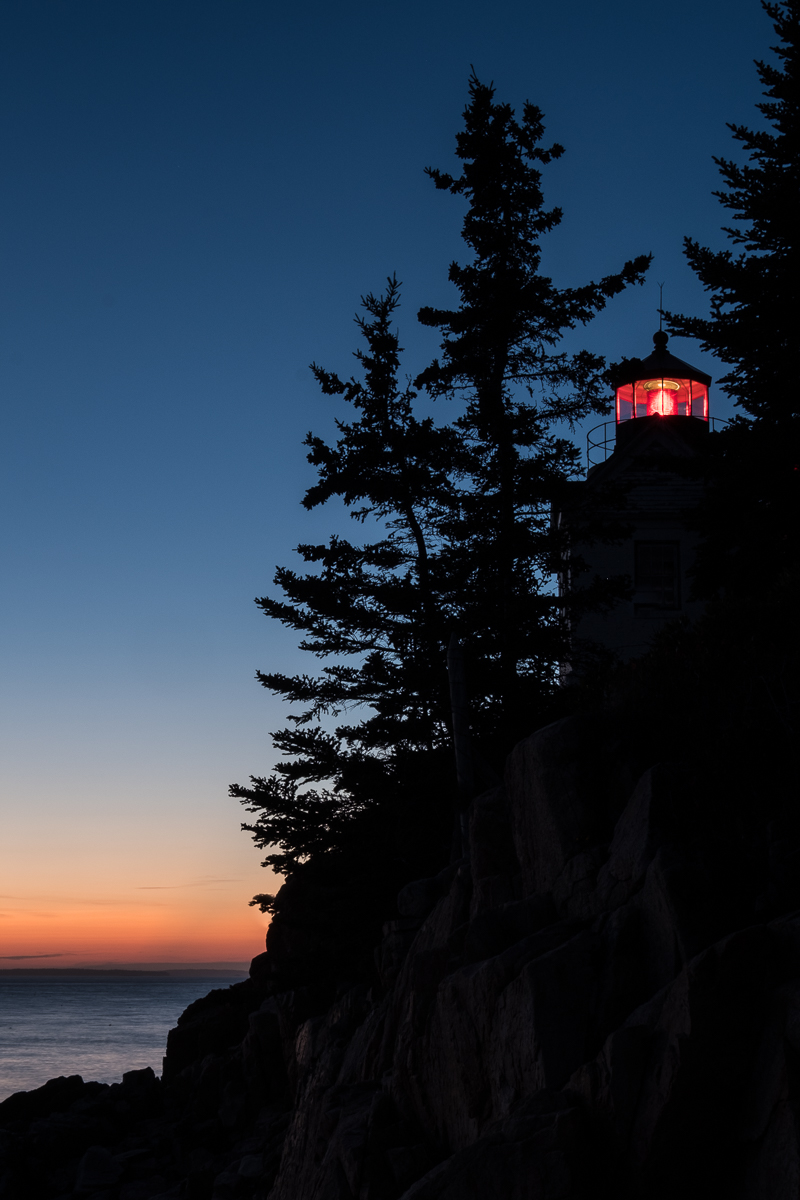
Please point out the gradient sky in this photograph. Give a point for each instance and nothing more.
(196, 194)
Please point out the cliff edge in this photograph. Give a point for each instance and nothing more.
(599, 1000)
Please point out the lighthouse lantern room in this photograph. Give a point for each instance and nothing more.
(662, 386)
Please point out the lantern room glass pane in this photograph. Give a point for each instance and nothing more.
(699, 400)
(625, 402)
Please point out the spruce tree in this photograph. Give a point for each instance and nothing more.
(372, 610)
(520, 393)
(754, 293)
(750, 519)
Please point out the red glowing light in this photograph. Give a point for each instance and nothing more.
(662, 398)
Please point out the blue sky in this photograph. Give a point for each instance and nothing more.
(196, 194)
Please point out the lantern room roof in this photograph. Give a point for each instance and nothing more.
(659, 365)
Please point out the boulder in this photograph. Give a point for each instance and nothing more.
(494, 865)
(54, 1096)
(559, 798)
(534, 1155)
(98, 1169)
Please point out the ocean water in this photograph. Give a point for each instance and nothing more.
(94, 1027)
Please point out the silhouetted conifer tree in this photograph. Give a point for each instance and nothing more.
(463, 540)
(751, 518)
(500, 356)
(373, 610)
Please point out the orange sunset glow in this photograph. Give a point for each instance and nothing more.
(129, 875)
(48, 932)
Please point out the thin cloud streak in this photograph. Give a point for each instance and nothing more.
(61, 954)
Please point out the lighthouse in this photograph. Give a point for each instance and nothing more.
(661, 421)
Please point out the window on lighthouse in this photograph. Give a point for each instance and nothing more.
(656, 581)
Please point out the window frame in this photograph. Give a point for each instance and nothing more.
(654, 609)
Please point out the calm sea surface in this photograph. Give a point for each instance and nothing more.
(96, 1028)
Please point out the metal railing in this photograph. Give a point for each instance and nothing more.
(600, 440)
(600, 443)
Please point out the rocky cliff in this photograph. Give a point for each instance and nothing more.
(601, 1000)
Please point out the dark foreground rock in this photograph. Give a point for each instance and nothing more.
(597, 1002)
